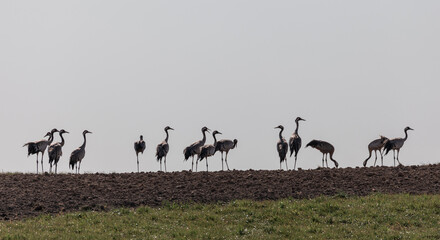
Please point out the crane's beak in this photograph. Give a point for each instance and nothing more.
(66, 132)
(171, 128)
(302, 119)
(89, 132)
(219, 133)
(47, 135)
(209, 130)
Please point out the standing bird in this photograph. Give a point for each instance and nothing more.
(324, 147)
(282, 147)
(139, 147)
(40, 146)
(225, 145)
(194, 149)
(55, 151)
(208, 150)
(376, 145)
(396, 144)
(295, 141)
(162, 149)
(78, 154)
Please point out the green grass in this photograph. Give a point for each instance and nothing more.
(340, 217)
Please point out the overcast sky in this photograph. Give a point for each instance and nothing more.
(353, 69)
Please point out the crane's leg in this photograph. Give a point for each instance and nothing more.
(50, 167)
(192, 164)
(294, 165)
(37, 163)
(398, 150)
(287, 168)
(160, 162)
(323, 166)
(222, 161)
(42, 156)
(326, 160)
(165, 163)
(76, 168)
(375, 154)
(79, 167)
(206, 164)
(137, 160)
(56, 166)
(394, 157)
(280, 165)
(197, 164)
(226, 160)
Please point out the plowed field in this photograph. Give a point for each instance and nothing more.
(24, 195)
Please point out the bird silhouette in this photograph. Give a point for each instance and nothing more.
(194, 149)
(376, 145)
(208, 150)
(40, 147)
(396, 144)
(282, 147)
(325, 148)
(139, 147)
(78, 154)
(162, 149)
(55, 151)
(295, 141)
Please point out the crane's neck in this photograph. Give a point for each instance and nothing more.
(84, 144)
(50, 138)
(215, 139)
(204, 138)
(62, 139)
(166, 139)
(406, 134)
(281, 137)
(297, 126)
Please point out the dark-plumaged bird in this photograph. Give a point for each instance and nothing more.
(55, 151)
(162, 150)
(295, 141)
(376, 145)
(282, 147)
(194, 149)
(325, 148)
(208, 150)
(78, 154)
(396, 144)
(139, 147)
(40, 146)
(225, 145)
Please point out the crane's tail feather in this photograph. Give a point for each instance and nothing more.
(235, 143)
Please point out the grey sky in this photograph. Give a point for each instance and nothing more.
(352, 69)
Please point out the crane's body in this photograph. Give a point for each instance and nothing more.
(162, 149)
(139, 147)
(376, 145)
(325, 148)
(78, 154)
(282, 147)
(55, 151)
(295, 141)
(225, 145)
(396, 144)
(195, 148)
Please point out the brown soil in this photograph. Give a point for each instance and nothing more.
(24, 195)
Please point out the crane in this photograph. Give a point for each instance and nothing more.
(325, 148)
(194, 149)
(139, 147)
(376, 145)
(396, 144)
(78, 154)
(295, 141)
(282, 147)
(40, 146)
(208, 150)
(162, 149)
(55, 151)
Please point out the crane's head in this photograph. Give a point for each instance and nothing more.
(141, 137)
(168, 128)
(280, 127)
(63, 131)
(86, 131)
(216, 132)
(204, 129)
(299, 119)
(54, 130)
(408, 128)
(48, 134)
